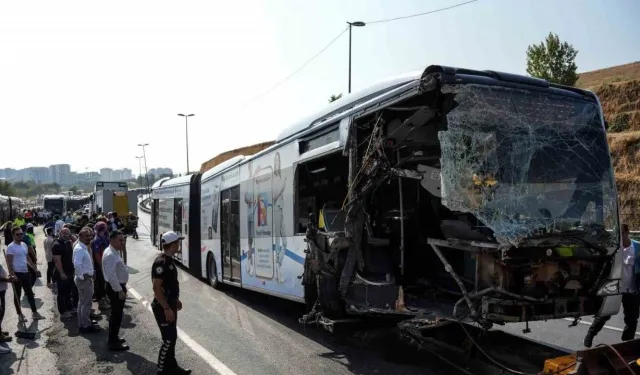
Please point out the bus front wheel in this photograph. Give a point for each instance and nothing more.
(212, 274)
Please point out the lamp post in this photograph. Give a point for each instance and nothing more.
(146, 171)
(351, 24)
(186, 133)
(139, 165)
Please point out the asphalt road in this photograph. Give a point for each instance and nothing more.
(232, 331)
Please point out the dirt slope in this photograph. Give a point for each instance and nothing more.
(618, 88)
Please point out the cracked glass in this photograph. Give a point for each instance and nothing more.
(527, 163)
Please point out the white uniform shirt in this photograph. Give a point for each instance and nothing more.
(113, 268)
(82, 263)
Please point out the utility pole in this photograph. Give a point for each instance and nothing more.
(351, 24)
(146, 171)
(186, 133)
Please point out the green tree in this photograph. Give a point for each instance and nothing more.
(333, 98)
(6, 189)
(553, 61)
(74, 190)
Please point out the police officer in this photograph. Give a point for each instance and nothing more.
(166, 302)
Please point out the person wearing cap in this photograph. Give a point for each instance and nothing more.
(166, 302)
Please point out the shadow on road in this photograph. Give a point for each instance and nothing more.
(137, 364)
(7, 361)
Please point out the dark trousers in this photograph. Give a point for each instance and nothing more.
(64, 295)
(75, 296)
(99, 284)
(117, 311)
(50, 267)
(630, 309)
(169, 332)
(3, 307)
(24, 283)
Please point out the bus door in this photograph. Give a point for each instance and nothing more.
(230, 234)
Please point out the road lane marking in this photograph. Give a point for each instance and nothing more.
(590, 323)
(211, 360)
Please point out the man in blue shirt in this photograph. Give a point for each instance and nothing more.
(629, 287)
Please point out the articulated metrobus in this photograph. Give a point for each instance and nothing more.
(488, 191)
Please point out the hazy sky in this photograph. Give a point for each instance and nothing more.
(83, 82)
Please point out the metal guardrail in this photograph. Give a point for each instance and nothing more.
(144, 205)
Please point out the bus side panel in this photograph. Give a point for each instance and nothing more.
(210, 224)
(165, 217)
(271, 259)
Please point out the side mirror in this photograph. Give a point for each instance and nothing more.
(313, 219)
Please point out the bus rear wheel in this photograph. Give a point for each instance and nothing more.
(212, 274)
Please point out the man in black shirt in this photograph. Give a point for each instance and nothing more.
(62, 251)
(166, 302)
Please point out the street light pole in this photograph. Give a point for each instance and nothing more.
(186, 133)
(351, 24)
(139, 165)
(146, 171)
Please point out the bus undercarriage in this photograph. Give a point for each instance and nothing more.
(465, 202)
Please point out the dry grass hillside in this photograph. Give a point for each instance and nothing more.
(618, 88)
(248, 150)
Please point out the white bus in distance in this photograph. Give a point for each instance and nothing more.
(428, 193)
(55, 203)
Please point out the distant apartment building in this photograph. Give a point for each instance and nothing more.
(8, 173)
(157, 172)
(105, 174)
(59, 173)
(38, 174)
(88, 177)
(127, 174)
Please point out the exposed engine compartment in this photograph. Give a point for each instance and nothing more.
(468, 201)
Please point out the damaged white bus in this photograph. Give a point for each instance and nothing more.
(450, 193)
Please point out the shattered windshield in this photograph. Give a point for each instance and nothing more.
(527, 163)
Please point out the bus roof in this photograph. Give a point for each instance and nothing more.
(347, 102)
(222, 166)
(159, 183)
(54, 196)
(178, 181)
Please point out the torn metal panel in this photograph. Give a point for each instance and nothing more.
(525, 162)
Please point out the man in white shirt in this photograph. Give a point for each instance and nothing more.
(18, 262)
(58, 226)
(628, 287)
(116, 276)
(83, 269)
(48, 245)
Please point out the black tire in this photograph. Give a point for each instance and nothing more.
(212, 272)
